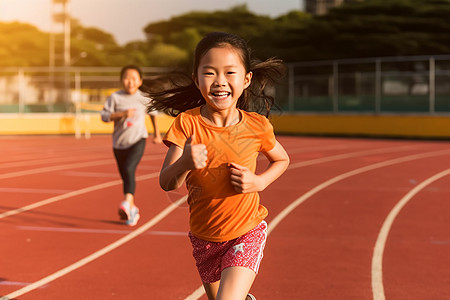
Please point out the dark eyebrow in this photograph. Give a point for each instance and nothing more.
(211, 67)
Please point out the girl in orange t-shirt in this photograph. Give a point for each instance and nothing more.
(213, 146)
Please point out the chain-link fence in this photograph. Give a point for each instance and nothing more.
(419, 84)
(43, 89)
(397, 85)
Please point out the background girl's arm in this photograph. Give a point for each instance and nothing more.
(109, 112)
(122, 114)
(179, 162)
(245, 181)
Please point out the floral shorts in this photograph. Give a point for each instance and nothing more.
(245, 251)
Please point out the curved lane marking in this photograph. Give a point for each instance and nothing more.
(285, 212)
(98, 253)
(68, 166)
(346, 175)
(115, 182)
(169, 209)
(377, 258)
(71, 194)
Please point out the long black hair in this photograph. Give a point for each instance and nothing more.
(177, 92)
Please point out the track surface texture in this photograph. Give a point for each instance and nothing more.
(350, 219)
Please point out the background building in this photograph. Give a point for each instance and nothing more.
(321, 7)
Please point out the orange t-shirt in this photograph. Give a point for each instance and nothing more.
(217, 212)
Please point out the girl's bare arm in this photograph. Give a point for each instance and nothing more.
(179, 162)
(245, 181)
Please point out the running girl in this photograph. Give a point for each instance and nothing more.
(127, 109)
(213, 146)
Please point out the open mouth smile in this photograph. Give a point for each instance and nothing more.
(221, 94)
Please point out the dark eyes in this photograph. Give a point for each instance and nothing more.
(211, 73)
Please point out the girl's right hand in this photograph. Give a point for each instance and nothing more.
(194, 155)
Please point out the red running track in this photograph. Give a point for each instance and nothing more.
(350, 219)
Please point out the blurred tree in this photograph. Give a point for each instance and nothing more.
(22, 45)
(377, 28)
(367, 28)
(167, 55)
(186, 30)
(25, 45)
(100, 47)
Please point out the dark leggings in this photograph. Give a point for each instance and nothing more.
(127, 161)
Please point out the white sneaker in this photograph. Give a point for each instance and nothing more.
(124, 210)
(134, 216)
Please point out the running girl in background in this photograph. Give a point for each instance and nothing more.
(213, 146)
(127, 108)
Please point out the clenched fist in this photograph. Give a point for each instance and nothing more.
(243, 180)
(194, 155)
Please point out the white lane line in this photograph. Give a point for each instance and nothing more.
(196, 294)
(72, 230)
(15, 283)
(96, 254)
(112, 183)
(346, 175)
(377, 258)
(90, 174)
(55, 168)
(34, 161)
(321, 148)
(71, 194)
(288, 209)
(100, 186)
(69, 166)
(32, 191)
(346, 155)
(95, 230)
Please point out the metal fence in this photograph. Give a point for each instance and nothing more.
(419, 84)
(398, 85)
(58, 89)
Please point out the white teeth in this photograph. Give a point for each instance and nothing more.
(221, 94)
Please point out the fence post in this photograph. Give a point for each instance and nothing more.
(77, 100)
(77, 86)
(335, 86)
(432, 84)
(21, 91)
(377, 86)
(291, 97)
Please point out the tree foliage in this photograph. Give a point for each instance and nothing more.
(382, 28)
(370, 28)
(19, 44)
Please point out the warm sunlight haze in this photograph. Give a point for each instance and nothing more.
(125, 19)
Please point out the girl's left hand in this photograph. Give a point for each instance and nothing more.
(244, 180)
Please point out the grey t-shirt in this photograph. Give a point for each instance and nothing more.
(128, 131)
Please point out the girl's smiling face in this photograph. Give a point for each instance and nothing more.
(131, 81)
(222, 78)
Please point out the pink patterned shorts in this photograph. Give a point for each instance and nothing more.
(245, 251)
